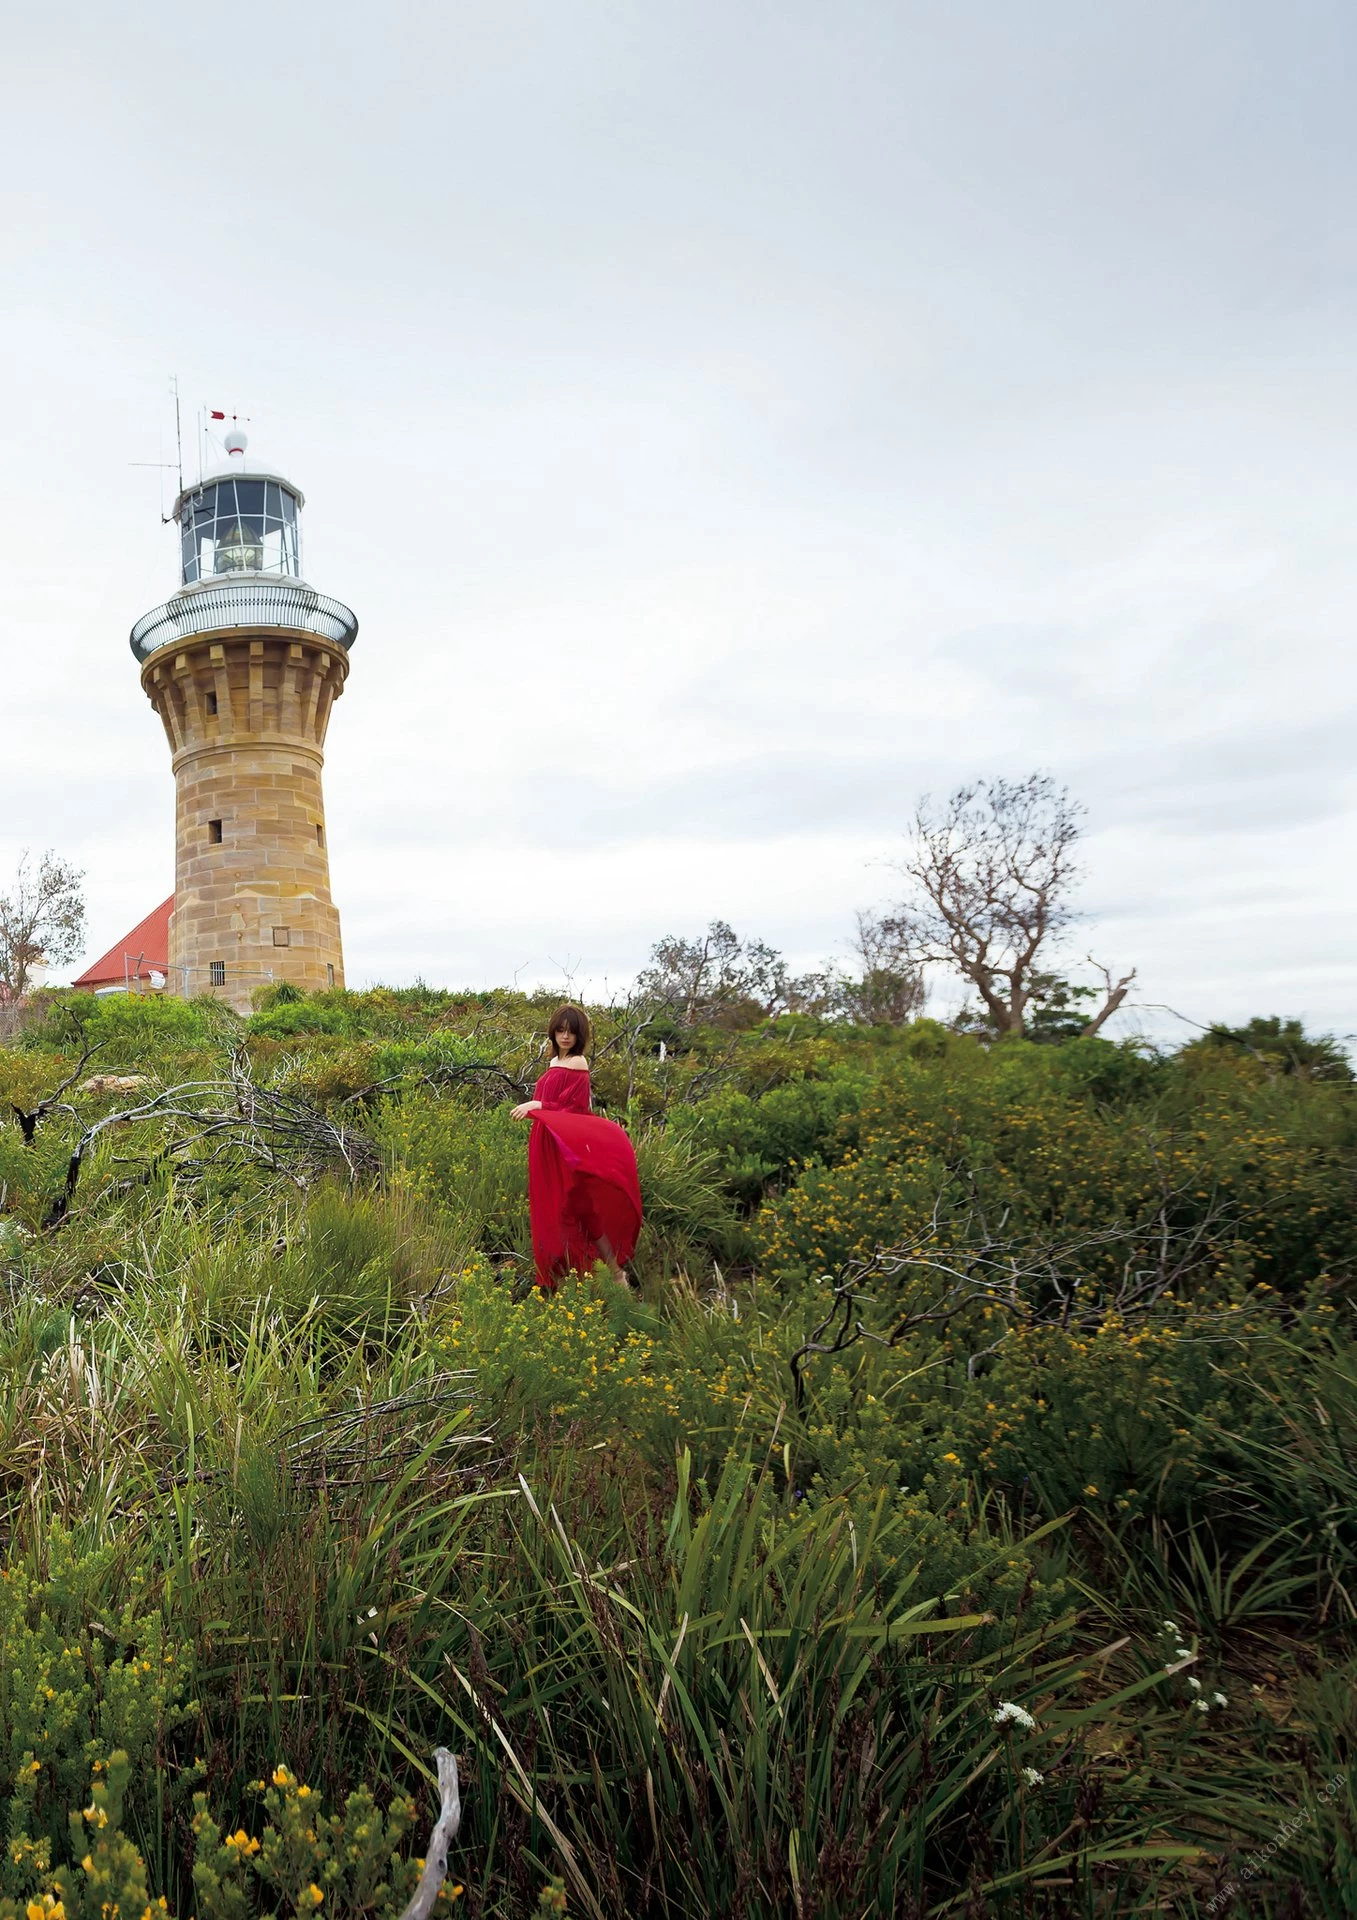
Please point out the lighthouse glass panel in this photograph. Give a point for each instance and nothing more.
(237, 526)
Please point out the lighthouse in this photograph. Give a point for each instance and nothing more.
(243, 664)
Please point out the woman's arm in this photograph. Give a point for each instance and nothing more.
(522, 1112)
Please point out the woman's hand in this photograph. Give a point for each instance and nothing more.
(522, 1112)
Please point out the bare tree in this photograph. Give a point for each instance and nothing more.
(42, 920)
(717, 979)
(992, 873)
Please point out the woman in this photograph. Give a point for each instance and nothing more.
(583, 1194)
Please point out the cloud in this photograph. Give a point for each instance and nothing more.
(727, 427)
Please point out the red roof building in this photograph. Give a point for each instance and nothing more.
(140, 960)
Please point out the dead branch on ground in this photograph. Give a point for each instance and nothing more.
(444, 1833)
(238, 1117)
(1032, 1283)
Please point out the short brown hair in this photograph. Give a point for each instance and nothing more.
(577, 1020)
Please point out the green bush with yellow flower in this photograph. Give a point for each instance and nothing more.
(89, 1711)
(562, 1359)
(73, 1689)
(302, 1862)
(1254, 1177)
(1122, 1415)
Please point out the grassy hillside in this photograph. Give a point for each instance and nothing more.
(961, 1521)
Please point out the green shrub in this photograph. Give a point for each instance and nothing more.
(131, 1030)
(1249, 1180)
(1120, 1418)
(471, 1164)
(290, 1019)
(76, 1685)
(759, 1142)
(349, 1864)
(566, 1359)
(32, 1173)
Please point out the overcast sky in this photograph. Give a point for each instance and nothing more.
(728, 421)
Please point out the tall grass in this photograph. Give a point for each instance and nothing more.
(712, 1657)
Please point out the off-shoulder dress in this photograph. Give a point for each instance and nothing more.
(582, 1180)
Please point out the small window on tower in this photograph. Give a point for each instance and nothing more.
(216, 972)
(329, 973)
(320, 835)
(214, 832)
(212, 703)
(282, 936)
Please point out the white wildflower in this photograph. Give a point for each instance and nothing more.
(1202, 1706)
(1171, 1626)
(1194, 1683)
(1010, 1710)
(1032, 1777)
(1220, 1699)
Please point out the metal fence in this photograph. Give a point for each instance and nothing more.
(185, 983)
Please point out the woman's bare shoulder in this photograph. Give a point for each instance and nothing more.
(577, 1066)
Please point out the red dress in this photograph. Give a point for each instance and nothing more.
(582, 1184)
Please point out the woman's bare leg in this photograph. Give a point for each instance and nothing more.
(609, 1252)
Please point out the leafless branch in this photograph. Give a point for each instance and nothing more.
(444, 1833)
(1114, 993)
(265, 1124)
(1033, 1283)
(438, 1078)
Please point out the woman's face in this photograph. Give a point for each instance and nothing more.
(565, 1040)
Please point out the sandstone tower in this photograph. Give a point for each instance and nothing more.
(243, 665)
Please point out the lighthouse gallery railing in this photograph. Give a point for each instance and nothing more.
(244, 604)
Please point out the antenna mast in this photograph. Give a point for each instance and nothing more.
(178, 436)
(166, 466)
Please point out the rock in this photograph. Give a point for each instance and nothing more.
(100, 1083)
